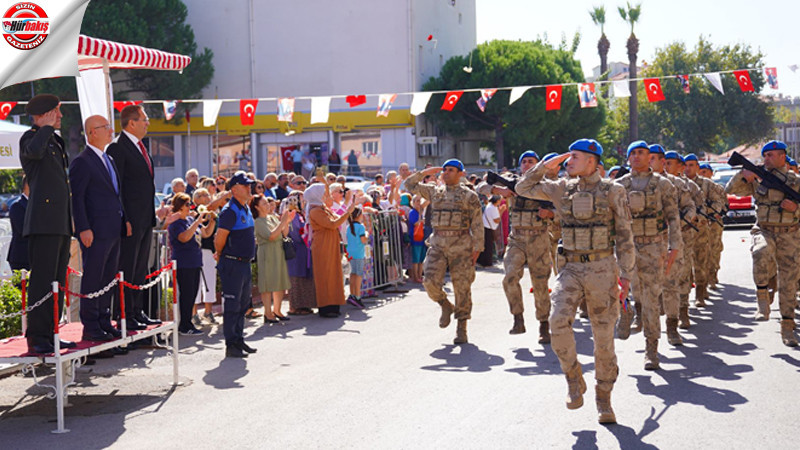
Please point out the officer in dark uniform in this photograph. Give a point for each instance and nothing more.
(235, 248)
(48, 218)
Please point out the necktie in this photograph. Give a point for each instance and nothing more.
(146, 158)
(111, 173)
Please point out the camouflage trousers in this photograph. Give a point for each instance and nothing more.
(775, 254)
(595, 282)
(682, 269)
(535, 252)
(715, 248)
(555, 236)
(647, 283)
(454, 252)
(671, 286)
(701, 253)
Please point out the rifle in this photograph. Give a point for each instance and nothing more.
(768, 179)
(711, 218)
(493, 178)
(685, 220)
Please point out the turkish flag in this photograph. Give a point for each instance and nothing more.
(355, 100)
(553, 102)
(120, 105)
(5, 109)
(247, 111)
(286, 157)
(743, 78)
(451, 100)
(653, 88)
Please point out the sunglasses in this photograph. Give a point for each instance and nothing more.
(300, 182)
(258, 186)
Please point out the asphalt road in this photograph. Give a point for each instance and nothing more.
(388, 377)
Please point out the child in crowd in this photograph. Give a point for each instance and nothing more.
(356, 242)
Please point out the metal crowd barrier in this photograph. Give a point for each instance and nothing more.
(386, 240)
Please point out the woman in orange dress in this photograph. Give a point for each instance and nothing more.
(326, 249)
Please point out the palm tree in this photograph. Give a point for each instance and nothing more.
(631, 15)
(598, 14)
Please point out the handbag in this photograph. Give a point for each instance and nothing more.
(288, 248)
(419, 231)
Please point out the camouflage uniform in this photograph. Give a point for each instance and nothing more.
(775, 246)
(528, 243)
(457, 224)
(683, 271)
(710, 200)
(656, 227)
(554, 227)
(595, 220)
(715, 238)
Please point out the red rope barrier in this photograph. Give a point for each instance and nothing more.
(158, 272)
(24, 294)
(55, 311)
(121, 297)
(174, 277)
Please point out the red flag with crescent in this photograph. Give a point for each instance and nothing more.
(120, 105)
(653, 88)
(355, 100)
(5, 109)
(451, 100)
(743, 78)
(247, 111)
(553, 101)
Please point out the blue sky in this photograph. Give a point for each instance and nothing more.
(767, 26)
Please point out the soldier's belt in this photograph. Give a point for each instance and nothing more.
(577, 257)
(644, 240)
(528, 231)
(449, 233)
(780, 229)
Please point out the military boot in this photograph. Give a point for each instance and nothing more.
(787, 333)
(447, 311)
(683, 315)
(544, 332)
(672, 332)
(637, 320)
(651, 354)
(576, 387)
(762, 297)
(519, 324)
(605, 414)
(700, 295)
(773, 288)
(624, 323)
(461, 332)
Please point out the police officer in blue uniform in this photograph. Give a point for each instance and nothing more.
(235, 248)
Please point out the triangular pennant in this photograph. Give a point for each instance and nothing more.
(247, 111)
(122, 104)
(715, 81)
(320, 109)
(210, 112)
(170, 108)
(285, 109)
(587, 95)
(355, 100)
(684, 81)
(451, 99)
(743, 78)
(385, 104)
(5, 109)
(772, 77)
(553, 99)
(622, 88)
(516, 93)
(486, 95)
(419, 102)
(652, 87)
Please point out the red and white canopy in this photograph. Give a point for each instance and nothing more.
(92, 52)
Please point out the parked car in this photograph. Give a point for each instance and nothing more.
(741, 210)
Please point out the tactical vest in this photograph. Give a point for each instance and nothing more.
(449, 209)
(646, 208)
(587, 222)
(525, 214)
(768, 203)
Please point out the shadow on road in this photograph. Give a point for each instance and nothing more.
(788, 359)
(546, 362)
(464, 358)
(587, 440)
(628, 438)
(227, 374)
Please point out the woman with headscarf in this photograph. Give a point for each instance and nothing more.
(302, 296)
(326, 250)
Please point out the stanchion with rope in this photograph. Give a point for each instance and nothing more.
(24, 284)
(122, 322)
(59, 364)
(175, 319)
(67, 293)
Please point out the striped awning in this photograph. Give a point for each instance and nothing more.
(92, 52)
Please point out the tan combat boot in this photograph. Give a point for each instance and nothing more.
(447, 311)
(637, 320)
(762, 297)
(605, 414)
(624, 323)
(461, 332)
(700, 296)
(672, 332)
(576, 387)
(787, 333)
(544, 332)
(519, 325)
(683, 315)
(651, 354)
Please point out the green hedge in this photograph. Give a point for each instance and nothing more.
(10, 302)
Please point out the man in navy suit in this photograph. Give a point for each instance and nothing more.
(99, 225)
(18, 248)
(138, 190)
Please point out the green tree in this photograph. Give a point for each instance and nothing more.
(524, 124)
(703, 120)
(631, 16)
(598, 15)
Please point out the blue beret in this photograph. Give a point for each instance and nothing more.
(588, 146)
(613, 168)
(706, 166)
(527, 154)
(549, 156)
(691, 157)
(773, 145)
(657, 148)
(636, 144)
(791, 161)
(673, 155)
(454, 163)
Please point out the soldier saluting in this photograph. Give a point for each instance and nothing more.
(595, 221)
(456, 242)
